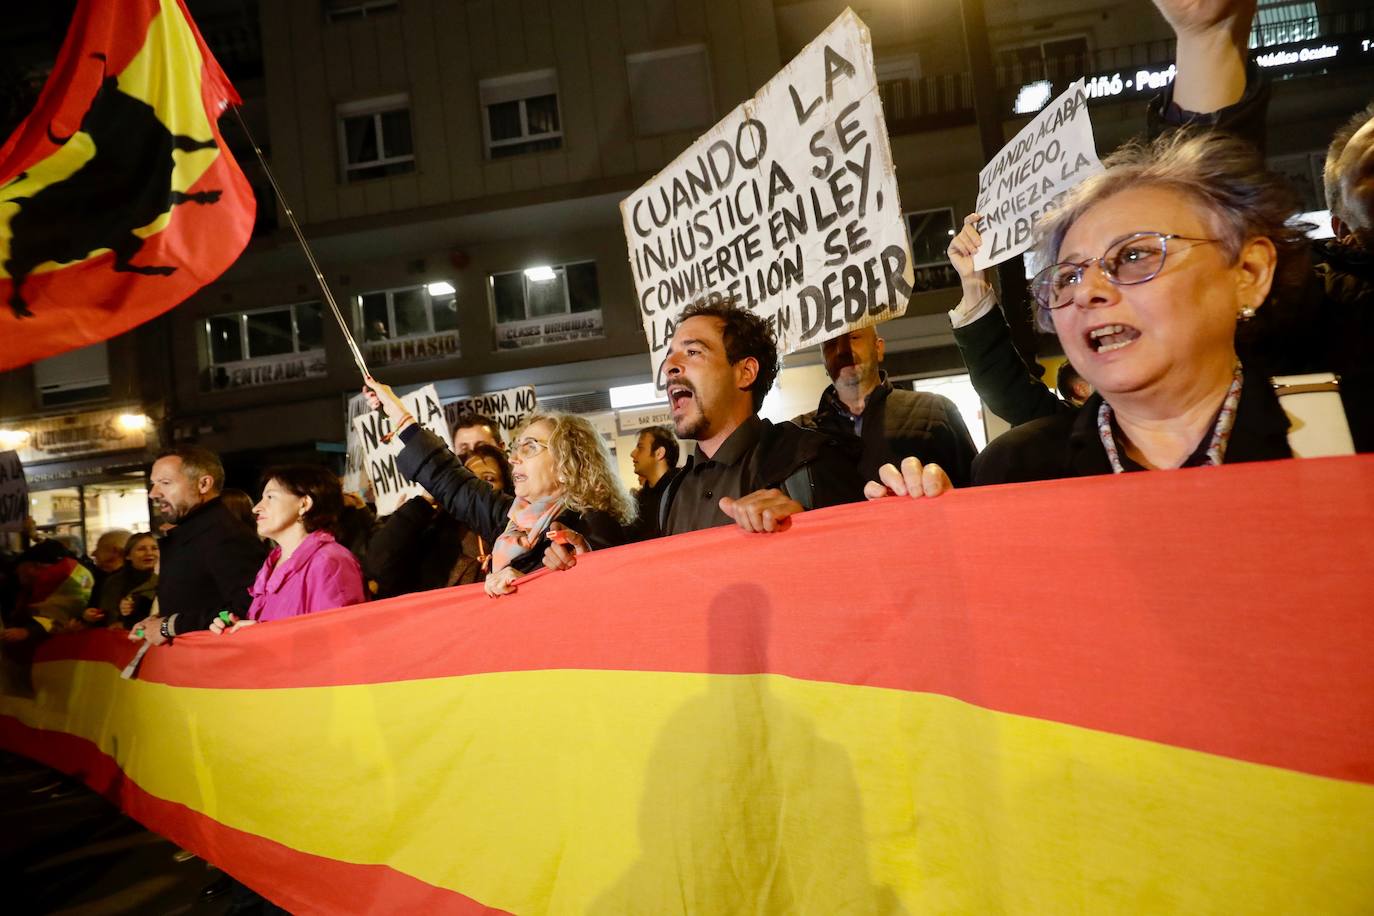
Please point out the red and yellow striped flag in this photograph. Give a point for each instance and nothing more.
(1137, 694)
(118, 196)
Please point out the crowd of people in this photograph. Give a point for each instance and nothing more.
(1197, 318)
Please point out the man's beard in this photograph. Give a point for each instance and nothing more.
(173, 513)
(691, 427)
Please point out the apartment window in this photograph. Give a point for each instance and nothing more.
(897, 78)
(374, 138)
(930, 232)
(342, 10)
(278, 331)
(1280, 22)
(1058, 59)
(74, 376)
(520, 114)
(539, 292)
(670, 90)
(410, 312)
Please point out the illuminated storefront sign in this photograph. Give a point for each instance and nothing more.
(1131, 83)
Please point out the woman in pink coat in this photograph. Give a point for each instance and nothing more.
(308, 570)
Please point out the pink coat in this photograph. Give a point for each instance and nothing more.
(320, 574)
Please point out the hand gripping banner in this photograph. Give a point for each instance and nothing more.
(1148, 693)
(118, 197)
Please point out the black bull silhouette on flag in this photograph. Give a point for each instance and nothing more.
(125, 186)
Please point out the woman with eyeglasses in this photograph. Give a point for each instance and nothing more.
(562, 477)
(1154, 266)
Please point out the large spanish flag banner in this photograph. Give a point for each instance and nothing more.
(1145, 694)
(118, 196)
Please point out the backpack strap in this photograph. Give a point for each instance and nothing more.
(1317, 425)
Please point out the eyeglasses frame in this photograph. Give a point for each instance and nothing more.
(1080, 267)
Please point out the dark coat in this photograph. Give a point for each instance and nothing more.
(650, 500)
(117, 586)
(1068, 444)
(429, 462)
(814, 468)
(208, 561)
(900, 423)
(416, 549)
(999, 375)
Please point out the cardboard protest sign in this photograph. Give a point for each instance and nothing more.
(355, 472)
(789, 204)
(14, 493)
(379, 458)
(1051, 154)
(508, 407)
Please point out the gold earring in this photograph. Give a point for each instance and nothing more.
(1247, 312)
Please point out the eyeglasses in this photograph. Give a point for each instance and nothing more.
(526, 449)
(1132, 259)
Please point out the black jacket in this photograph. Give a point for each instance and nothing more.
(208, 562)
(1068, 444)
(999, 375)
(429, 462)
(650, 499)
(898, 423)
(814, 468)
(416, 549)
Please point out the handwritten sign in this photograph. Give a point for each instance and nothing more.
(789, 205)
(379, 458)
(508, 407)
(355, 471)
(1051, 154)
(14, 493)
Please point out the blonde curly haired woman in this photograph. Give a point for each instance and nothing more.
(562, 472)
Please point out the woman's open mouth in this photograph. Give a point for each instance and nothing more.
(1111, 337)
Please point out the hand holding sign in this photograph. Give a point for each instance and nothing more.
(962, 251)
(383, 397)
(381, 448)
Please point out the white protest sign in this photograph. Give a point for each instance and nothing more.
(355, 472)
(14, 493)
(789, 204)
(508, 407)
(1051, 154)
(379, 458)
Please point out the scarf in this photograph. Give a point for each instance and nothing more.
(528, 521)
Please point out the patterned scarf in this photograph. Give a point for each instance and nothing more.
(528, 520)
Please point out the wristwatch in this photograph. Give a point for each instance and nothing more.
(164, 629)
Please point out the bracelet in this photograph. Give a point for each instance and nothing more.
(164, 629)
(400, 425)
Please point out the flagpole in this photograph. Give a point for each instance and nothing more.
(305, 246)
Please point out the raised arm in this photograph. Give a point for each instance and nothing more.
(999, 375)
(1215, 87)
(1213, 37)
